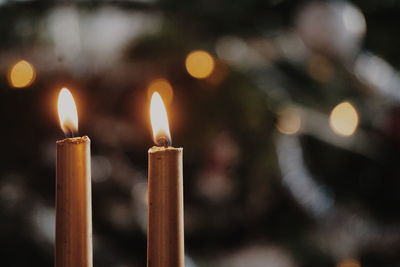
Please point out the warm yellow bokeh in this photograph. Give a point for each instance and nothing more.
(289, 121)
(349, 263)
(199, 64)
(164, 88)
(344, 119)
(21, 74)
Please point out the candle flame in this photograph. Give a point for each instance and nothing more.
(67, 112)
(159, 120)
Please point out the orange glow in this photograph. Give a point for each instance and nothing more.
(219, 74)
(349, 263)
(163, 87)
(67, 112)
(159, 120)
(21, 74)
(344, 119)
(199, 64)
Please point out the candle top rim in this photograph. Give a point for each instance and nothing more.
(74, 140)
(155, 149)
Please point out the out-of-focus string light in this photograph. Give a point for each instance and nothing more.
(163, 87)
(349, 263)
(199, 64)
(379, 75)
(232, 49)
(298, 179)
(21, 74)
(240, 53)
(344, 119)
(289, 45)
(289, 121)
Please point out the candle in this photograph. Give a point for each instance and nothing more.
(73, 191)
(165, 236)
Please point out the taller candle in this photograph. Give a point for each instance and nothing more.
(73, 191)
(165, 234)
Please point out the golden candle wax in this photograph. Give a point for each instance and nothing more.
(73, 191)
(165, 233)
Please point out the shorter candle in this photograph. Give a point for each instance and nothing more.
(165, 233)
(73, 191)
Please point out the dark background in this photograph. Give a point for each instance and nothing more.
(267, 180)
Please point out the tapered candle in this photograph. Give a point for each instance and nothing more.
(165, 234)
(73, 191)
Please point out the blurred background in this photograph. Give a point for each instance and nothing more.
(288, 112)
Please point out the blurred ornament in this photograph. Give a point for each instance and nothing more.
(334, 27)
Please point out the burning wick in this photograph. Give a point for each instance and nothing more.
(163, 141)
(70, 133)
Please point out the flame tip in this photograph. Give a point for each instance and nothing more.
(159, 121)
(67, 112)
(156, 94)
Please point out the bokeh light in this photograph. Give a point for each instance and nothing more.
(289, 121)
(349, 263)
(199, 64)
(344, 119)
(163, 87)
(21, 74)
